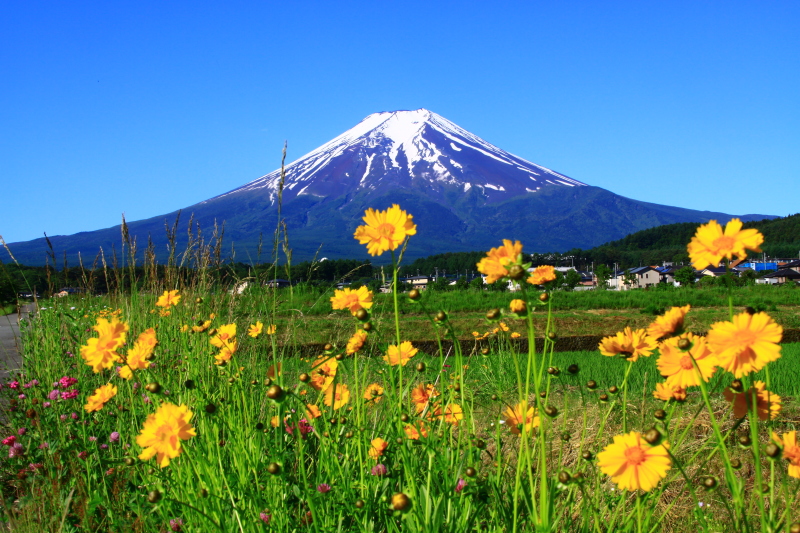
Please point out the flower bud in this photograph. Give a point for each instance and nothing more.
(275, 392)
(362, 315)
(154, 496)
(604, 397)
(485, 351)
(684, 343)
(544, 297)
(153, 387)
(773, 451)
(401, 502)
(420, 367)
(274, 469)
(441, 316)
(414, 294)
(367, 326)
(745, 441)
(553, 371)
(551, 411)
(564, 477)
(573, 369)
(360, 503)
(659, 414)
(516, 272)
(305, 378)
(795, 527)
(736, 464)
(710, 482)
(737, 385)
(471, 472)
(613, 389)
(493, 314)
(652, 436)
(328, 347)
(587, 455)
(591, 384)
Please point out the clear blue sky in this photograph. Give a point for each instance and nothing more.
(145, 107)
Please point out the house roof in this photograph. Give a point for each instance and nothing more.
(784, 273)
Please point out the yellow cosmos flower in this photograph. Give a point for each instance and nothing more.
(768, 404)
(520, 417)
(542, 274)
(494, 265)
(337, 396)
(224, 337)
(669, 323)
(225, 354)
(710, 244)
(373, 393)
(452, 413)
(633, 463)
(255, 329)
(747, 344)
(400, 355)
(353, 300)
(385, 230)
(312, 411)
(415, 432)
(102, 395)
(201, 326)
(676, 365)
(184, 328)
(518, 306)
(476, 334)
(665, 391)
(791, 451)
(377, 447)
(356, 342)
(504, 326)
(324, 370)
(515, 335)
(163, 432)
(137, 357)
(101, 352)
(421, 395)
(272, 329)
(628, 343)
(168, 299)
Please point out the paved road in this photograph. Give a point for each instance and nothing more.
(10, 358)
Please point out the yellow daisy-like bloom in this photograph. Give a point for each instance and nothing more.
(201, 326)
(312, 411)
(225, 354)
(791, 451)
(629, 343)
(476, 334)
(665, 391)
(163, 432)
(337, 396)
(225, 337)
(101, 352)
(768, 404)
(272, 329)
(102, 395)
(633, 463)
(520, 417)
(669, 323)
(373, 393)
(400, 355)
(676, 364)
(184, 328)
(168, 299)
(421, 395)
(542, 274)
(710, 244)
(518, 306)
(137, 357)
(493, 266)
(324, 370)
(255, 329)
(356, 342)
(747, 344)
(504, 326)
(361, 298)
(385, 230)
(414, 432)
(377, 447)
(515, 335)
(451, 414)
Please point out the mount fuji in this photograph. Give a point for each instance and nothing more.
(464, 193)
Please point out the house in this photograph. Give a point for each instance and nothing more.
(277, 283)
(418, 282)
(779, 277)
(643, 277)
(794, 265)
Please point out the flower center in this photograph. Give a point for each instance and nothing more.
(386, 230)
(724, 243)
(792, 454)
(635, 456)
(743, 338)
(686, 362)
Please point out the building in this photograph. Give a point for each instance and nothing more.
(642, 278)
(780, 277)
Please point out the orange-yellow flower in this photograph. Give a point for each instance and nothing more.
(137, 357)
(225, 354)
(201, 326)
(323, 373)
(337, 395)
(768, 404)
(628, 343)
(520, 417)
(102, 395)
(275, 370)
(356, 342)
(542, 274)
(504, 326)
(791, 451)
(377, 447)
(451, 414)
(665, 391)
(421, 395)
(518, 306)
(710, 244)
(747, 344)
(312, 411)
(225, 336)
(414, 432)
(633, 463)
(373, 393)
(669, 323)
(163, 432)
(515, 335)
(400, 355)
(385, 230)
(101, 352)
(272, 329)
(676, 365)
(168, 299)
(255, 329)
(353, 300)
(493, 266)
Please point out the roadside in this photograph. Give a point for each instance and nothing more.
(10, 342)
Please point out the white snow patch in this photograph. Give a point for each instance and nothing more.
(467, 186)
(454, 147)
(495, 187)
(455, 164)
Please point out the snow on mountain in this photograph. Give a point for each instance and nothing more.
(408, 150)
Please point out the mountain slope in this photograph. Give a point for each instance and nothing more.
(464, 193)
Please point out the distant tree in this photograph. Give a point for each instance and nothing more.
(441, 284)
(629, 279)
(477, 284)
(685, 276)
(572, 279)
(603, 274)
(462, 283)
